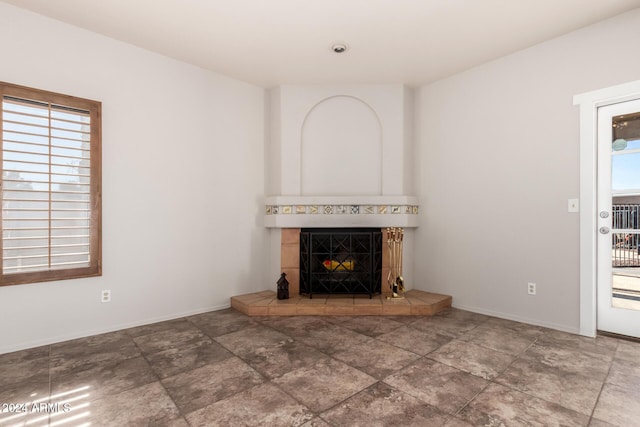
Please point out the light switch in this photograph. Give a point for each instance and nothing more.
(573, 205)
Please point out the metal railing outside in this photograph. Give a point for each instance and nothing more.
(626, 235)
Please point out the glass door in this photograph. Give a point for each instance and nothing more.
(619, 218)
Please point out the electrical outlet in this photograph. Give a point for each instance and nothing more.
(105, 295)
(531, 288)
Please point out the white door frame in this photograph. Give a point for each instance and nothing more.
(589, 103)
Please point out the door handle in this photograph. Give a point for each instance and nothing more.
(604, 214)
(604, 230)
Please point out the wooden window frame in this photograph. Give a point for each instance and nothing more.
(95, 222)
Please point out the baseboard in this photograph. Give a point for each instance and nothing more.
(516, 318)
(61, 338)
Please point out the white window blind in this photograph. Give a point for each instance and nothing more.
(46, 187)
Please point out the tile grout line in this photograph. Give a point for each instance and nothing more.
(378, 381)
(264, 377)
(356, 393)
(323, 319)
(213, 339)
(613, 358)
(159, 380)
(541, 398)
(491, 381)
(315, 414)
(425, 356)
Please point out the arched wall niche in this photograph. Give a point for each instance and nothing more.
(341, 149)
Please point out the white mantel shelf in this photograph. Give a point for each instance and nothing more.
(341, 211)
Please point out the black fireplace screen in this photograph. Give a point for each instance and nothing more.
(340, 261)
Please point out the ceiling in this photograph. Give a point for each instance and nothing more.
(274, 42)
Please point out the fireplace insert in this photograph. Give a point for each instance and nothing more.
(340, 261)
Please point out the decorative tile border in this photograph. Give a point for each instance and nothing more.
(341, 209)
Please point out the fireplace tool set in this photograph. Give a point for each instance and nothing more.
(394, 278)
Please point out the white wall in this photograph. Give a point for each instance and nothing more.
(408, 150)
(295, 102)
(498, 157)
(183, 175)
(341, 149)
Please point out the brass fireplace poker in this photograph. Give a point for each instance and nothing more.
(395, 236)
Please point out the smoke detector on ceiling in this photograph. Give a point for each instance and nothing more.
(339, 47)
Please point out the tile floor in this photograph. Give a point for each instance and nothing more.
(226, 369)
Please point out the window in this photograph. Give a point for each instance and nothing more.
(51, 186)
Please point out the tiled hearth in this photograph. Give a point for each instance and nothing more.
(265, 303)
(415, 303)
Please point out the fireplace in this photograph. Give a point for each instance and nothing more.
(338, 157)
(340, 261)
